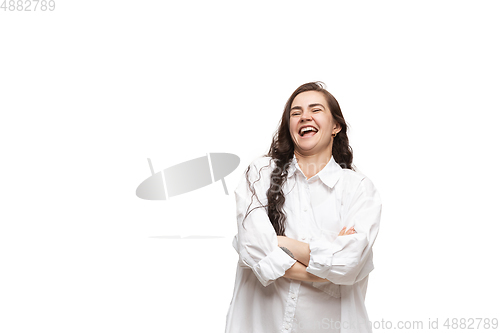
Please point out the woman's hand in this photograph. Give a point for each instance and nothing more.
(343, 232)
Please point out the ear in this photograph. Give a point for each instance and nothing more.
(336, 128)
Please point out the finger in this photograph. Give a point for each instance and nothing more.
(342, 232)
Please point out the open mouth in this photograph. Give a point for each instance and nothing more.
(307, 132)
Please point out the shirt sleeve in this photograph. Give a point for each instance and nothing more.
(348, 259)
(257, 241)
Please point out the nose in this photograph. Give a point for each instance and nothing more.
(305, 116)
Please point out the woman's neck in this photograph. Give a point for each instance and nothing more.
(314, 163)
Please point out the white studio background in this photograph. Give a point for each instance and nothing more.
(90, 90)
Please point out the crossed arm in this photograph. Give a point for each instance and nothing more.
(301, 252)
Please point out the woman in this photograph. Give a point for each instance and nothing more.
(306, 226)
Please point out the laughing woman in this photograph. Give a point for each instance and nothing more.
(306, 226)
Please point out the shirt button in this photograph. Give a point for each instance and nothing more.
(303, 238)
(287, 326)
(294, 296)
(305, 209)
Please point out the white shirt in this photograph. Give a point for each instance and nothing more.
(316, 210)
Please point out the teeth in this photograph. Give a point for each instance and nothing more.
(308, 129)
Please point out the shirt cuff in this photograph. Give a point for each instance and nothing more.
(273, 266)
(321, 256)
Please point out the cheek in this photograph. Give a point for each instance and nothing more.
(330, 123)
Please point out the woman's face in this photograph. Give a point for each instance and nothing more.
(312, 123)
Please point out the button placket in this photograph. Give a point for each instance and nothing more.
(308, 213)
(291, 305)
(306, 204)
(299, 204)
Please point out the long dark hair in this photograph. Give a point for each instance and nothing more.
(282, 150)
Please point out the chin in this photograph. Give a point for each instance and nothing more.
(306, 148)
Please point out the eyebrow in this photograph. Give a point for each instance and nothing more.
(310, 106)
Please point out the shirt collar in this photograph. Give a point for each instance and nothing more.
(329, 175)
